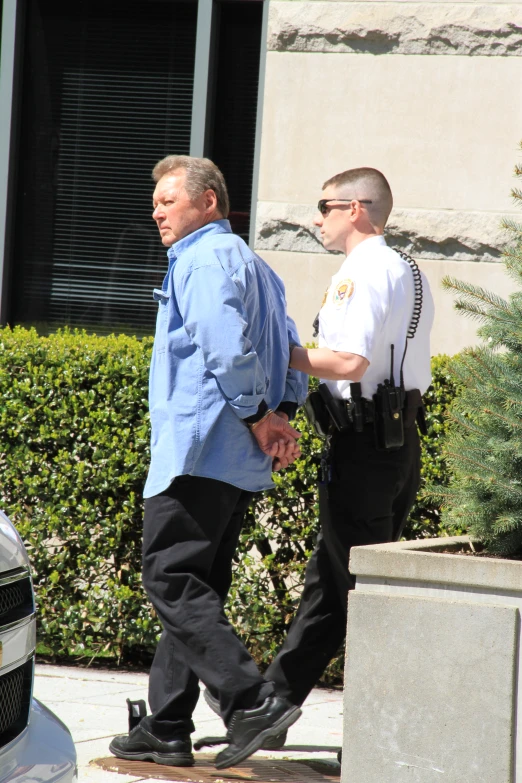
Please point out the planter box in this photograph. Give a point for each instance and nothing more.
(433, 677)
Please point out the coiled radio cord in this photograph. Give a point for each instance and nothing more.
(417, 304)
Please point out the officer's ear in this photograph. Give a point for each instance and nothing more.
(358, 213)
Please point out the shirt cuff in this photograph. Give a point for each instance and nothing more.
(261, 411)
(290, 408)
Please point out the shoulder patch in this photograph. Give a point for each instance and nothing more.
(342, 292)
(325, 297)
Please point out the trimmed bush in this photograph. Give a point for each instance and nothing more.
(74, 450)
(74, 453)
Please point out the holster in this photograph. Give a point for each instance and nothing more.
(317, 414)
(336, 409)
(322, 410)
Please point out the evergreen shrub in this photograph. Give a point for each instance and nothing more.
(484, 446)
(74, 452)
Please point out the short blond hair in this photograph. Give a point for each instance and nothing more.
(201, 174)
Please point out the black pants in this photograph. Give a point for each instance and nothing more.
(367, 501)
(190, 533)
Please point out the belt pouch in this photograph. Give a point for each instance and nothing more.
(389, 424)
(415, 411)
(421, 420)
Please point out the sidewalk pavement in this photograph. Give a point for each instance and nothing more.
(91, 702)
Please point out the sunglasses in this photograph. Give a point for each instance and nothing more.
(322, 205)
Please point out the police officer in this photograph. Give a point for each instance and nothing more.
(219, 370)
(366, 492)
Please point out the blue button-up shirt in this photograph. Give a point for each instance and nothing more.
(221, 348)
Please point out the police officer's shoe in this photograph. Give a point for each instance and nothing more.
(248, 730)
(141, 745)
(272, 743)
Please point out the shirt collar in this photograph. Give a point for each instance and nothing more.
(216, 227)
(366, 247)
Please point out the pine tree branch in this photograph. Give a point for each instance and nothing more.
(509, 224)
(512, 423)
(472, 292)
(460, 456)
(466, 424)
(506, 524)
(436, 492)
(494, 480)
(471, 371)
(485, 370)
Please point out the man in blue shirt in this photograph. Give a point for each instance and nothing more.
(221, 394)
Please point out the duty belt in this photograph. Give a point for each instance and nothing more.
(329, 414)
(412, 404)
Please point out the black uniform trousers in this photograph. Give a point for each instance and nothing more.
(366, 501)
(190, 533)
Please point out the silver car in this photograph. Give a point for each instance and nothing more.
(35, 746)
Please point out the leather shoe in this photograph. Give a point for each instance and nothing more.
(249, 729)
(272, 743)
(141, 745)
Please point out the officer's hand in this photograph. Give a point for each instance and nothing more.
(276, 438)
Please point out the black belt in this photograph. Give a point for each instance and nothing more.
(413, 410)
(329, 414)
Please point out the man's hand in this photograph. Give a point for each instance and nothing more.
(288, 452)
(276, 438)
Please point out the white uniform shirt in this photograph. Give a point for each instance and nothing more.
(368, 307)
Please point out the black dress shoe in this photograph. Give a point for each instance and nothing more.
(141, 745)
(248, 730)
(272, 743)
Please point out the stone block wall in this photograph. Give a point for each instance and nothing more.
(427, 92)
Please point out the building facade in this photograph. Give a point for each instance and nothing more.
(282, 94)
(430, 93)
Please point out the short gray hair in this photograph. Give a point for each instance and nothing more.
(201, 174)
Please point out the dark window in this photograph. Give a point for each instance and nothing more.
(107, 91)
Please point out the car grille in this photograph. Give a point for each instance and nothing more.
(10, 596)
(16, 601)
(11, 687)
(15, 701)
(16, 604)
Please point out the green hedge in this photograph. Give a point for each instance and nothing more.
(74, 452)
